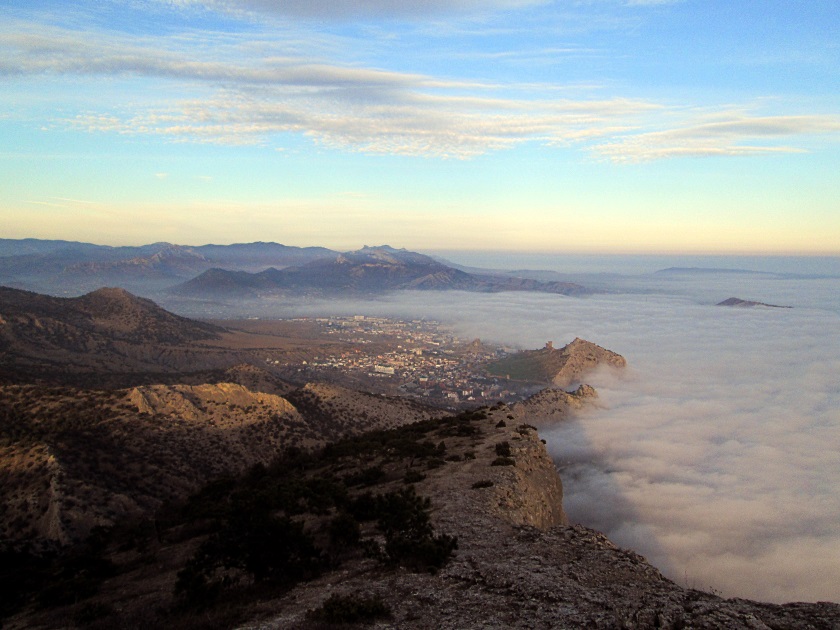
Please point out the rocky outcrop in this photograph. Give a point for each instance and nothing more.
(562, 368)
(739, 303)
(552, 405)
(580, 358)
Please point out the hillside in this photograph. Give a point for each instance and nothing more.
(454, 523)
(106, 331)
(566, 366)
(74, 459)
(552, 405)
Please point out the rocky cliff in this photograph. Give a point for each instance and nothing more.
(520, 565)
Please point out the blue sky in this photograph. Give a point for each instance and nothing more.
(571, 126)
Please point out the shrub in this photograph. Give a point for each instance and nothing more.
(367, 477)
(503, 461)
(253, 543)
(409, 537)
(351, 609)
(413, 476)
(344, 531)
(500, 424)
(503, 449)
(484, 483)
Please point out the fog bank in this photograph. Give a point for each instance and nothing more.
(716, 455)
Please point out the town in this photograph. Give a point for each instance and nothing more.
(417, 358)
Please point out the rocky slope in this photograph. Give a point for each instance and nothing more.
(74, 459)
(520, 565)
(566, 366)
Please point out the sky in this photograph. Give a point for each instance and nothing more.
(632, 126)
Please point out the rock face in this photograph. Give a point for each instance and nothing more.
(514, 569)
(552, 405)
(563, 367)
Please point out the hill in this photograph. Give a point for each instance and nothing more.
(561, 368)
(739, 303)
(108, 330)
(75, 459)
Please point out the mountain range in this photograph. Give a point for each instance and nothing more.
(366, 271)
(244, 270)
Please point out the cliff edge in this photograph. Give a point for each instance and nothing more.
(519, 563)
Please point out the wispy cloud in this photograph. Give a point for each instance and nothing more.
(252, 91)
(724, 134)
(343, 9)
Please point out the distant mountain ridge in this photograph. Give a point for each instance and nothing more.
(365, 271)
(71, 267)
(246, 270)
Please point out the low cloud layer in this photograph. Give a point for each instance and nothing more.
(715, 455)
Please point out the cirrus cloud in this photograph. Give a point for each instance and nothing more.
(243, 91)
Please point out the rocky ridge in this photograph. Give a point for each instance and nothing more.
(516, 570)
(561, 368)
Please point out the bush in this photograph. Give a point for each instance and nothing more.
(413, 476)
(258, 545)
(344, 531)
(484, 483)
(409, 537)
(503, 449)
(503, 461)
(351, 609)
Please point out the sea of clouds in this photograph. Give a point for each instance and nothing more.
(717, 453)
